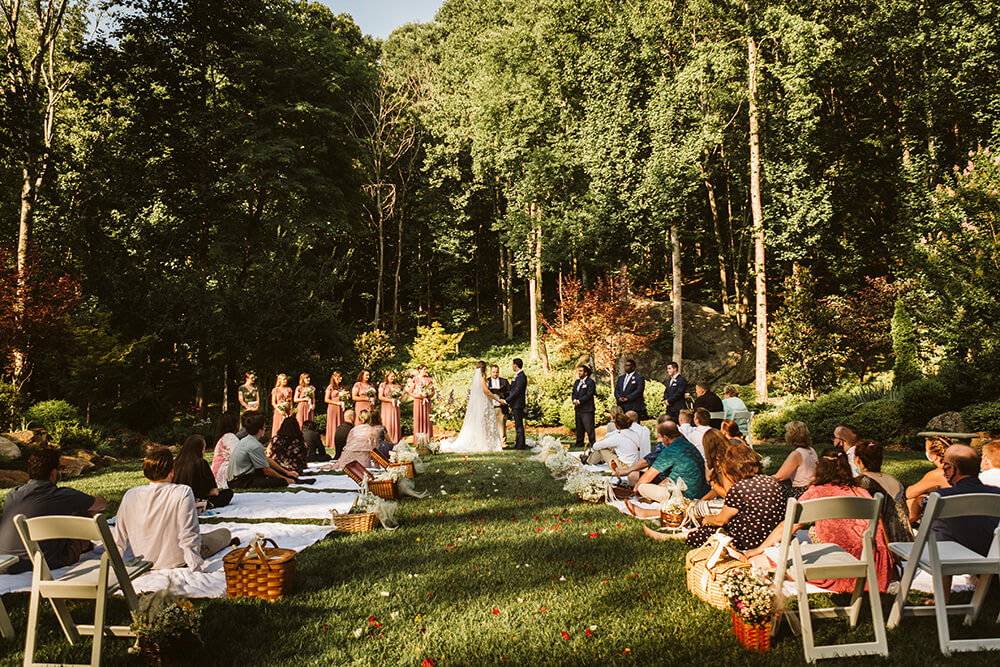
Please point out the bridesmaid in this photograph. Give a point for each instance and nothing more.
(334, 406)
(305, 399)
(390, 407)
(359, 392)
(416, 389)
(281, 401)
(249, 395)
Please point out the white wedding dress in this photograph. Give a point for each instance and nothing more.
(480, 431)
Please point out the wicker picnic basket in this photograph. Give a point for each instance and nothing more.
(266, 573)
(706, 582)
(754, 637)
(378, 459)
(354, 523)
(385, 489)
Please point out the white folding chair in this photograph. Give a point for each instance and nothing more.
(945, 558)
(829, 561)
(6, 629)
(743, 419)
(87, 580)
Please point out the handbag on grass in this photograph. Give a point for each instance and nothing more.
(707, 567)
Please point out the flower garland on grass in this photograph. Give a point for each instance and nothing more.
(163, 619)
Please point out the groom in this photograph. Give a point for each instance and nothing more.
(515, 401)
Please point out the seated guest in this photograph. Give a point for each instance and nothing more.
(704, 398)
(40, 496)
(799, 467)
(620, 448)
(694, 431)
(361, 440)
(678, 460)
(916, 494)
(340, 435)
(845, 436)
(314, 443)
(644, 434)
(191, 469)
(755, 503)
(991, 463)
(634, 471)
(384, 445)
(249, 467)
(225, 442)
(287, 448)
(834, 480)
(732, 403)
(961, 470)
(612, 413)
(159, 521)
(895, 514)
(731, 430)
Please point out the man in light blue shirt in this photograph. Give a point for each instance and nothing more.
(249, 466)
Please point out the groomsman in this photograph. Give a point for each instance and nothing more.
(499, 386)
(673, 395)
(583, 405)
(515, 401)
(629, 390)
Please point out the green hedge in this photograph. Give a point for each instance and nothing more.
(921, 400)
(880, 421)
(982, 416)
(52, 415)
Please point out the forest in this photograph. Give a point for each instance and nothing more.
(193, 189)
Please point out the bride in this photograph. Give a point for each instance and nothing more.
(480, 431)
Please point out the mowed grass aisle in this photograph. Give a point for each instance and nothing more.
(503, 567)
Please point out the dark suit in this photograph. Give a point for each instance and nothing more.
(712, 403)
(502, 391)
(632, 393)
(583, 391)
(515, 401)
(673, 395)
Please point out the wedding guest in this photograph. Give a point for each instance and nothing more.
(644, 434)
(191, 469)
(340, 437)
(704, 398)
(845, 436)
(249, 467)
(676, 389)
(389, 394)
(694, 431)
(361, 440)
(620, 447)
(281, 402)
(305, 399)
(249, 394)
(421, 390)
(334, 406)
(499, 387)
(287, 448)
(314, 443)
(40, 496)
(991, 463)
(629, 390)
(384, 447)
(678, 460)
(731, 430)
(632, 473)
(582, 396)
(916, 494)
(160, 521)
(225, 442)
(732, 404)
(515, 401)
(612, 414)
(363, 393)
(800, 465)
(834, 479)
(895, 514)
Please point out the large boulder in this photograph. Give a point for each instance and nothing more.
(11, 478)
(34, 437)
(949, 422)
(9, 448)
(71, 466)
(716, 349)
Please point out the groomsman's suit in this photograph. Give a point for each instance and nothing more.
(631, 386)
(583, 391)
(674, 394)
(515, 401)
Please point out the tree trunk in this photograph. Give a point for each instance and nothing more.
(508, 317)
(27, 215)
(395, 280)
(720, 254)
(760, 367)
(381, 259)
(225, 387)
(535, 281)
(675, 294)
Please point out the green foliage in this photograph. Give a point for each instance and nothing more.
(433, 345)
(921, 400)
(374, 350)
(769, 426)
(11, 404)
(983, 417)
(547, 394)
(567, 414)
(320, 420)
(653, 395)
(880, 421)
(871, 393)
(52, 415)
(904, 346)
(122, 443)
(74, 436)
(801, 338)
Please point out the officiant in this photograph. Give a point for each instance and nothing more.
(499, 386)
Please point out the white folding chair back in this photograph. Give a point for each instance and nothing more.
(87, 580)
(743, 419)
(6, 629)
(945, 559)
(829, 561)
(717, 415)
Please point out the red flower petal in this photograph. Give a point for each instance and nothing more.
(593, 535)
(565, 634)
(496, 611)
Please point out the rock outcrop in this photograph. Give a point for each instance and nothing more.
(11, 478)
(9, 448)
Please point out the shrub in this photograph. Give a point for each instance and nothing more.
(982, 416)
(880, 421)
(823, 414)
(123, 443)
(921, 400)
(374, 349)
(52, 415)
(654, 397)
(320, 420)
(904, 346)
(567, 414)
(551, 390)
(769, 426)
(79, 437)
(433, 345)
(11, 404)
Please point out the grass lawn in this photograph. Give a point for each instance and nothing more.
(504, 567)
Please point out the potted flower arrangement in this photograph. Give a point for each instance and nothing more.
(164, 625)
(672, 512)
(751, 601)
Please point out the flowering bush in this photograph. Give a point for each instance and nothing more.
(448, 413)
(750, 594)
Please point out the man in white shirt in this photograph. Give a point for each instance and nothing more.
(160, 522)
(620, 448)
(845, 436)
(696, 431)
(990, 474)
(644, 433)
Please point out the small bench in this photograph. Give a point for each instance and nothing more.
(6, 629)
(948, 434)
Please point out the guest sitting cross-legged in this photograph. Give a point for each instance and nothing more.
(160, 522)
(799, 467)
(632, 473)
(287, 448)
(694, 429)
(40, 496)
(643, 433)
(249, 467)
(225, 442)
(620, 448)
(361, 440)
(833, 480)
(191, 469)
(315, 452)
(679, 460)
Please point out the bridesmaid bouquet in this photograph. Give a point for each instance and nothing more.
(344, 396)
(370, 393)
(308, 392)
(425, 390)
(396, 394)
(286, 408)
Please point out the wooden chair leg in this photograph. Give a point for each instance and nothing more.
(899, 602)
(856, 598)
(878, 621)
(941, 613)
(32, 634)
(65, 620)
(978, 597)
(6, 629)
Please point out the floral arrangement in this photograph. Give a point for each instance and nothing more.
(587, 485)
(308, 392)
(424, 390)
(448, 414)
(546, 448)
(403, 453)
(393, 474)
(396, 393)
(163, 619)
(675, 506)
(750, 592)
(561, 464)
(344, 397)
(286, 408)
(370, 393)
(432, 445)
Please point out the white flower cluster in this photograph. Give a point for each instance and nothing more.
(394, 474)
(587, 485)
(403, 453)
(561, 464)
(751, 594)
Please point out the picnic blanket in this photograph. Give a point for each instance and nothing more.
(326, 483)
(283, 505)
(210, 583)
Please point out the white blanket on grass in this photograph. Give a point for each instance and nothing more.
(327, 483)
(283, 505)
(210, 583)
